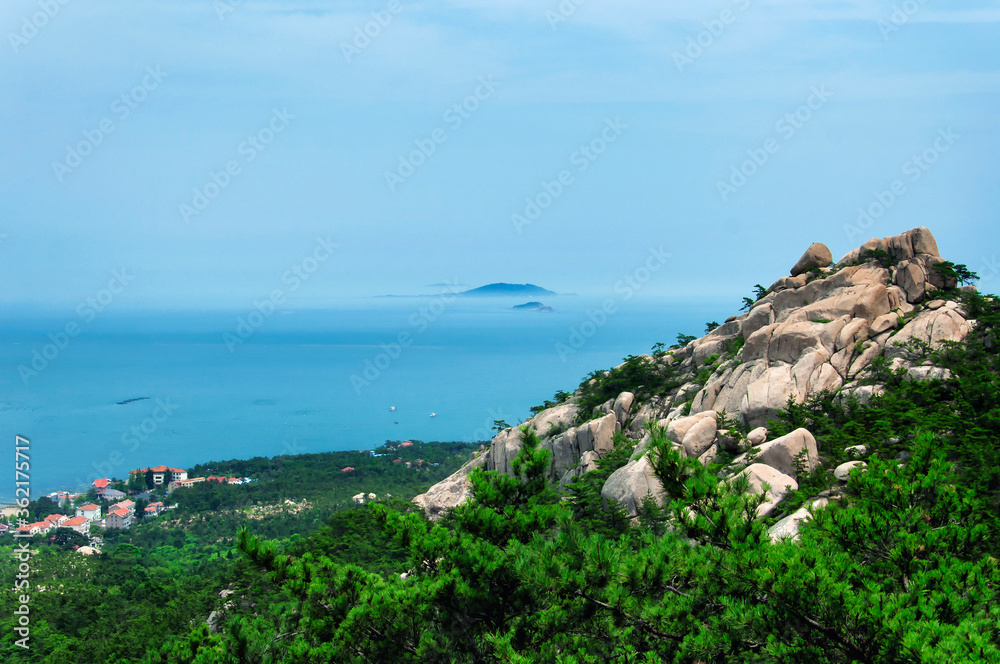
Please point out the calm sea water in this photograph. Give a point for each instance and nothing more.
(289, 389)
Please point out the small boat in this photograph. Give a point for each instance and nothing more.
(392, 408)
(434, 414)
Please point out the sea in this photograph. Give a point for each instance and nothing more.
(124, 391)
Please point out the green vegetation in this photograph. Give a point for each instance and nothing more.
(646, 378)
(960, 273)
(901, 569)
(165, 573)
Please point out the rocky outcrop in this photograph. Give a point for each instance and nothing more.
(817, 330)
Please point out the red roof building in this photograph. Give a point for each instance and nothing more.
(80, 524)
(102, 483)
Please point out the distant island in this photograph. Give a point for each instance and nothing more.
(500, 290)
(534, 306)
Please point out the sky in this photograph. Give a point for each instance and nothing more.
(207, 153)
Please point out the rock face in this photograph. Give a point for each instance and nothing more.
(810, 333)
(817, 255)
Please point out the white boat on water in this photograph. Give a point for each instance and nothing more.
(392, 408)
(434, 414)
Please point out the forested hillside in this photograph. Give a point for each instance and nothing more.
(883, 546)
(164, 575)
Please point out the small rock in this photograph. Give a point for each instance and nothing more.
(758, 436)
(843, 471)
(856, 451)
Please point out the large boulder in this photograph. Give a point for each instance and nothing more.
(700, 437)
(623, 406)
(787, 529)
(451, 491)
(679, 427)
(817, 255)
(783, 454)
(779, 485)
(631, 483)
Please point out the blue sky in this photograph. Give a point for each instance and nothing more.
(623, 121)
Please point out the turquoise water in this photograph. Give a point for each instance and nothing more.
(288, 387)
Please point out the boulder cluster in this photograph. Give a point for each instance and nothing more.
(819, 329)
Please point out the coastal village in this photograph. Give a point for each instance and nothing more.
(109, 503)
(103, 506)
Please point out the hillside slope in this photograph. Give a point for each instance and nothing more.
(827, 328)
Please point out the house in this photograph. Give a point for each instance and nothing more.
(160, 475)
(118, 518)
(347, 469)
(39, 527)
(102, 484)
(112, 494)
(181, 484)
(216, 478)
(406, 443)
(55, 520)
(154, 509)
(80, 524)
(126, 505)
(90, 510)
